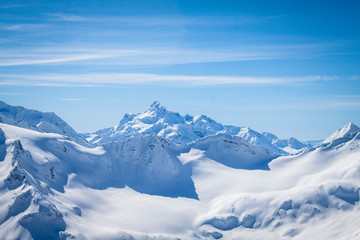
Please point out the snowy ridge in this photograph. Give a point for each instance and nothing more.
(234, 152)
(38, 121)
(186, 129)
(345, 133)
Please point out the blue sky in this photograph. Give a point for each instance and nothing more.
(288, 67)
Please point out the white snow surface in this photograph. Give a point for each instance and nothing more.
(186, 129)
(144, 187)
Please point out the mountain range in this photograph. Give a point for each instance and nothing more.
(186, 129)
(160, 175)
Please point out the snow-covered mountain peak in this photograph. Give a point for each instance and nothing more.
(156, 105)
(159, 120)
(347, 132)
(153, 114)
(157, 109)
(351, 128)
(179, 129)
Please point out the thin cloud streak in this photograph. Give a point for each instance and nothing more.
(56, 60)
(69, 18)
(133, 56)
(23, 27)
(164, 21)
(350, 104)
(111, 79)
(11, 6)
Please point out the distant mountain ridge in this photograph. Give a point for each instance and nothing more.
(186, 129)
(158, 120)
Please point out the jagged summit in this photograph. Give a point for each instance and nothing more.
(156, 105)
(351, 127)
(347, 132)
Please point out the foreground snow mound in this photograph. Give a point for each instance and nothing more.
(43, 122)
(186, 129)
(299, 195)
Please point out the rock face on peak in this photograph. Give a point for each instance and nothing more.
(180, 129)
(47, 122)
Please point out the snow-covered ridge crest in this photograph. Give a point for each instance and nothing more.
(180, 129)
(39, 121)
(347, 132)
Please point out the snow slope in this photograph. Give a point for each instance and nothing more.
(301, 197)
(36, 170)
(145, 187)
(43, 122)
(186, 129)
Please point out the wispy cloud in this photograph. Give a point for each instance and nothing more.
(11, 6)
(69, 18)
(111, 79)
(349, 104)
(46, 61)
(164, 20)
(138, 56)
(348, 96)
(23, 26)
